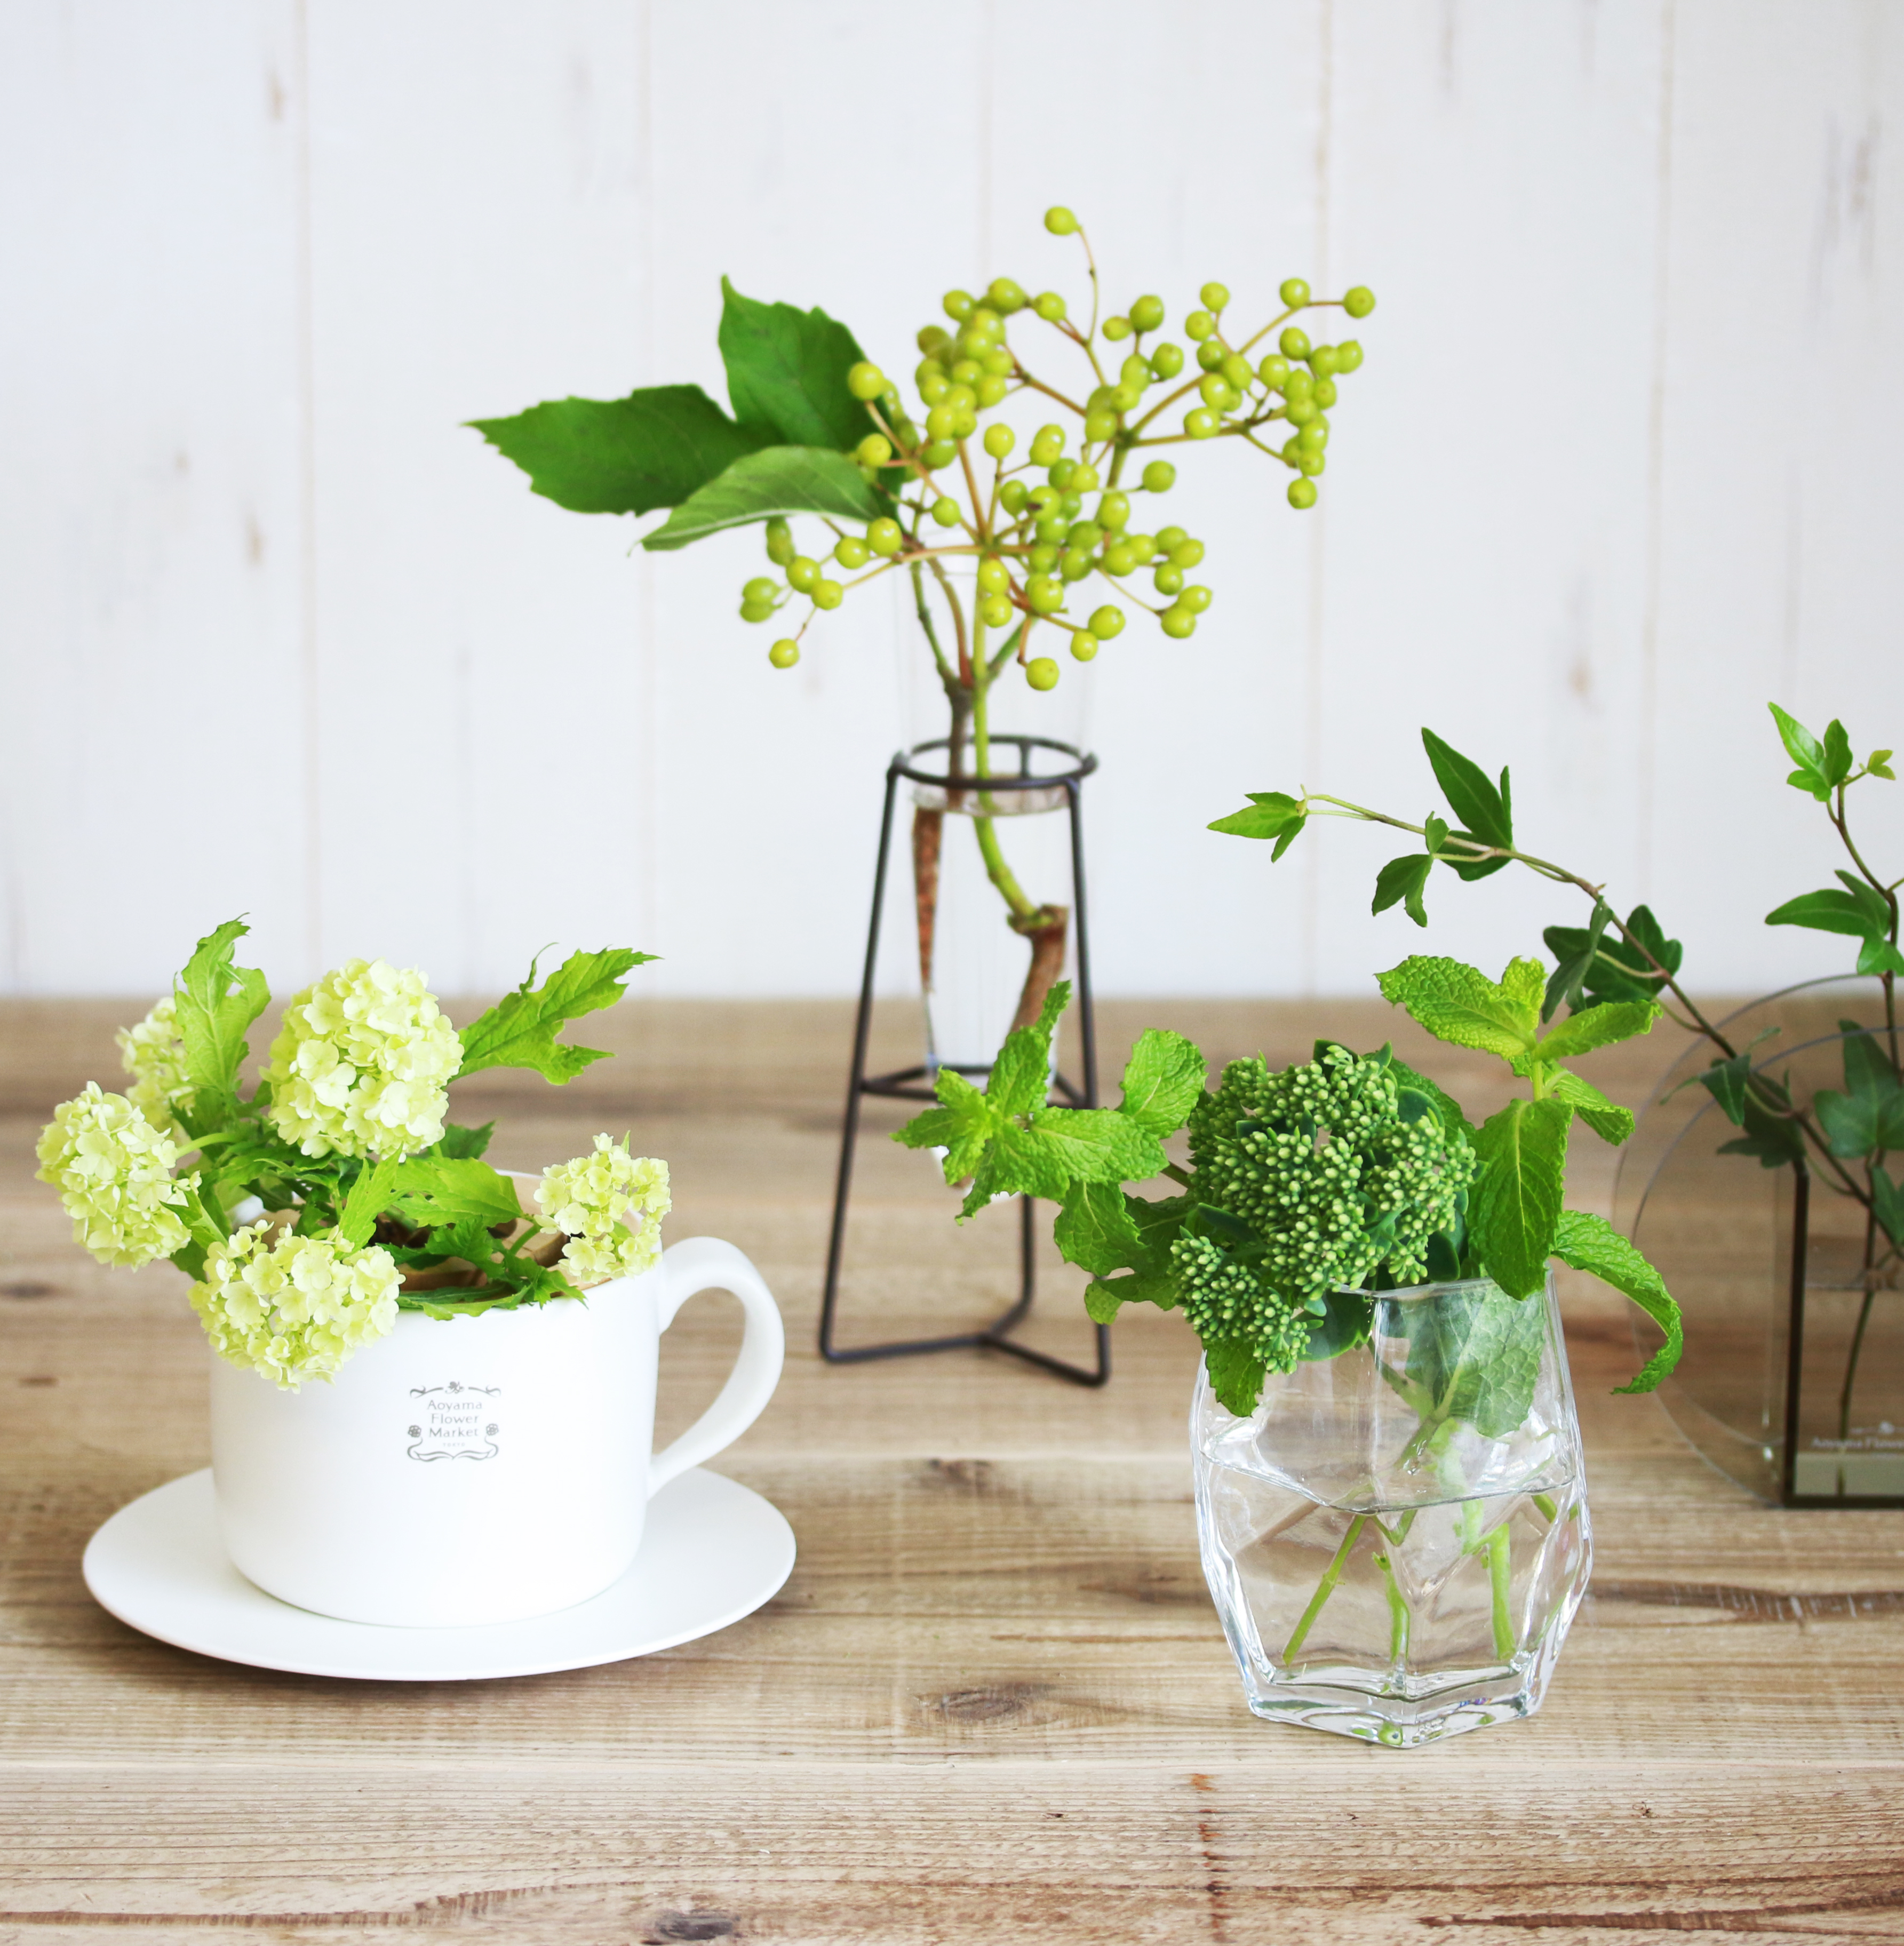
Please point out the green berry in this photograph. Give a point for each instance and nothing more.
(779, 542)
(1293, 343)
(999, 362)
(1114, 511)
(1005, 296)
(1160, 476)
(1071, 505)
(1187, 553)
(940, 452)
(1011, 496)
(1041, 672)
(1051, 527)
(994, 576)
(828, 595)
(761, 589)
(965, 371)
(784, 654)
(1107, 623)
(957, 305)
(1136, 370)
(884, 537)
(874, 449)
(1050, 306)
(965, 420)
(1043, 557)
(1217, 391)
(1312, 463)
(1167, 579)
(933, 339)
(1239, 372)
(1059, 220)
(1125, 398)
(1294, 294)
(1274, 371)
(1047, 444)
(1121, 557)
(940, 421)
(1145, 545)
(1323, 362)
(1083, 479)
(999, 441)
(1147, 314)
(865, 381)
(1076, 563)
(1116, 328)
(991, 391)
(1167, 361)
(995, 611)
(1210, 355)
(1301, 493)
(1348, 355)
(755, 611)
(945, 511)
(1042, 595)
(851, 551)
(1313, 436)
(985, 317)
(1300, 410)
(1100, 425)
(1201, 423)
(1177, 622)
(1195, 599)
(1215, 296)
(1359, 301)
(1299, 384)
(1168, 538)
(1085, 534)
(1084, 645)
(802, 573)
(933, 387)
(1199, 325)
(1062, 470)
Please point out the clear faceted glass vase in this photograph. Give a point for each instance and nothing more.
(1397, 1537)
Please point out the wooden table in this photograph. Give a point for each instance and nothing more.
(992, 1703)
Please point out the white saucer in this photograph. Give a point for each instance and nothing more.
(713, 1552)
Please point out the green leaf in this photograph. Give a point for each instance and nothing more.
(777, 480)
(1347, 1316)
(1602, 1026)
(1483, 809)
(1236, 1374)
(1162, 1080)
(1268, 814)
(1461, 1005)
(429, 1190)
(1607, 1119)
(1887, 1202)
(1104, 1298)
(962, 1127)
(1839, 762)
(1879, 764)
(462, 1145)
(1472, 1355)
(1775, 1139)
(1813, 774)
(1515, 1202)
(215, 1001)
(520, 1030)
(368, 1196)
(1021, 1076)
(1727, 1081)
(1619, 970)
(1869, 1117)
(1408, 1079)
(1879, 956)
(1094, 1230)
(1400, 882)
(1567, 983)
(653, 448)
(1591, 1243)
(1094, 1145)
(787, 370)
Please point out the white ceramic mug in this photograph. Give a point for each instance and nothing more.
(478, 1469)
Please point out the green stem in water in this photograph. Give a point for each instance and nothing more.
(1397, 1613)
(1325, 1587)
(1000, 873)
(1501, 1574)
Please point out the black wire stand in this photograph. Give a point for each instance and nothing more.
(914, 1084)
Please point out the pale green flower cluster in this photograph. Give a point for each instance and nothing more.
(362, 1063)
(295, 1308)
(154, 1055)
(611, 1204)
(113, 1170)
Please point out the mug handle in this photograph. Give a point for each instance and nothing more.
(687, 1268)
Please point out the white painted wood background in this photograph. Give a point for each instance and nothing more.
(279, 635)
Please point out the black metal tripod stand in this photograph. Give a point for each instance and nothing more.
(914, 1084)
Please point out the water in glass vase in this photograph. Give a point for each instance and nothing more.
(1385, 1567)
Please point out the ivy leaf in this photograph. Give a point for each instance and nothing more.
(1163, 1081)
(1607, 1119)
(1869, 1117)
(1567, 983)
(1774, 1138)
(653, 448)
(1461, 1005)
(1402, 881)
(1591, 1243)
(1486, 811)
(1021, 1076)
(787, 371)
(1879, 956)
(1268, 814)
(1887, 1203)
(1879, 765)
(1514, 1204)
(1727, 1081)
(1822, 767)
(520, 1030)
(214, 1001)
(1602, 1026)
(777, 481)
(1236, 1374)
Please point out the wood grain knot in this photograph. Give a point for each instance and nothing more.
(970, 1476)
(29, 1289)
(671, 1926)
(994, 1702)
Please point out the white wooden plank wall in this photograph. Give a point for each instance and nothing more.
(279, 635)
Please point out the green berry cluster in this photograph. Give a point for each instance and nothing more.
(1044, 523)
(1333, 1185)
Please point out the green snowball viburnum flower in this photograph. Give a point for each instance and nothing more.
(362, 1063)
(611, 1205)
(293, 1307)
(113, 1170)
(154, 1055)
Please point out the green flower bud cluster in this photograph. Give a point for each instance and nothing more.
(1335, 1183)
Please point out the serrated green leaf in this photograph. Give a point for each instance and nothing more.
(1268, 814)
(787, 370)
(1474, 1355)
(1458, 1003)
(1400, 882)
(1236, 1374)
(776, 481)
(1515, 1201)
(462, 1145)
(654, 449)
(1482, 807)
(1104, 1298)
(214, 1001)
(368, 1196)
(429, 1190)
(1603, 1026)
(1607, 1119)
(962, 1127)
(1812, 775)
(1094, 1230)
(1591, 1243)
(1163, 1081)
(1095, 1145)
(520, 1030)
(1021, 1076)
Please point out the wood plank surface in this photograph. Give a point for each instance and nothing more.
(994, 1700)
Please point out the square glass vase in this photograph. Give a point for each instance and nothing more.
(1397, 1538)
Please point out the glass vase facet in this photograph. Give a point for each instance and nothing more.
(1397, 1538)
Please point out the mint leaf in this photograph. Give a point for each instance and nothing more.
(1094, 1230)
(1602, 1026)
(1020, 1076)
(778, 480)
(1591, 1243)
(212, 1017)
(1347, 1316)
(1607, 1119)
(1514, 1204)
(1162, 1080)
(1813, 773)
(787, 371)
(1236, 1374)
(1268, 814)
(1095, 1145)
(1106, 1296)
(520, 1030)
(653, 448)
(1459, 1004)
(1474, 1355)
(962, 1127)
(1400, 882)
